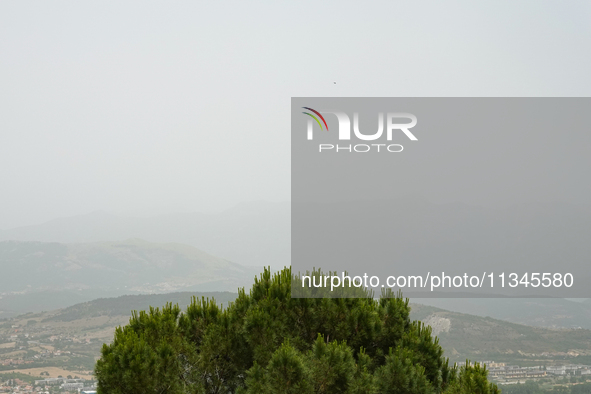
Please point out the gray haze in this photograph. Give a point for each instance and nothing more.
(150, 107)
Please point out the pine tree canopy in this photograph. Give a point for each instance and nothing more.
(267, 342)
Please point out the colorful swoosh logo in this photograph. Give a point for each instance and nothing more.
(315, 118)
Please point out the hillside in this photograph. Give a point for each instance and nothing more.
(467, 237)
(255, 234)
(72, 337)
(539, 312)
(43, 275)
(122, 306)
(539, 235)
(484, 338)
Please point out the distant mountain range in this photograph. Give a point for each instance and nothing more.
(256, 233)
(38, 275)
(546, 237)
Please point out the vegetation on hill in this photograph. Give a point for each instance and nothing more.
(17, 375)
(537, 312)
(80, 340)
(125, 304)
(487, 338)
(267, 342)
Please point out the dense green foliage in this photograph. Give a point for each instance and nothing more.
(17, 375)
(268, 342)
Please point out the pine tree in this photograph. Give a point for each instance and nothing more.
(268, 342)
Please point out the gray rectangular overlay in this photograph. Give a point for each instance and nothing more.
(442, 197)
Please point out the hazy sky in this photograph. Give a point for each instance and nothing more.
(149, 107)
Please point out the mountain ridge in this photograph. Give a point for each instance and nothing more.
(134, 266)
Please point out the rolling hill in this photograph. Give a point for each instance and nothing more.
(539, 312)
(37, 275)
(82, 328)
(255, 234)
(259, 234)
(484, 338)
